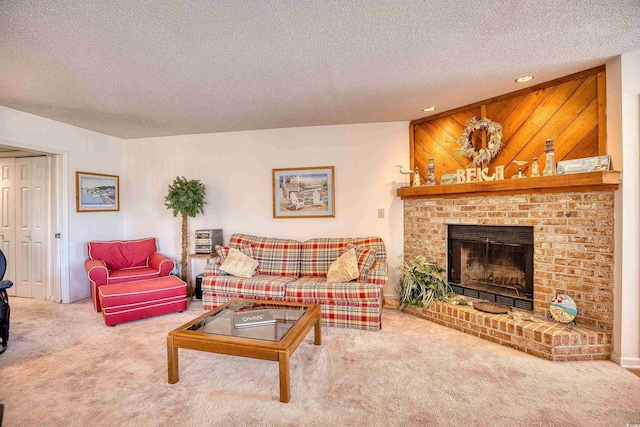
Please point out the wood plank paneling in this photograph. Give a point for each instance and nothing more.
(536, 120)
(525, 109)
(573, 134)
(412, 146)
(584, 148)
(569, 110)
(443, 160)
(501, 110)
(437, 139)
(571, 107)
(444, 139)
(602, 113)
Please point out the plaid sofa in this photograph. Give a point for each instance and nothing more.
(295, 271)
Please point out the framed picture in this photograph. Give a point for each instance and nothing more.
(588, 164)
(304, 192)
(97, 192)
(448, 178)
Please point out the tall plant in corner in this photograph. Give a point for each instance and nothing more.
(421, 282)
(187, 199)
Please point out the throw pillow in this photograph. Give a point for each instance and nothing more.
(366, 258)
(345, 268)
(223, 250)
(238, 264)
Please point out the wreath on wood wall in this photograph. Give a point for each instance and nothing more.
(494, 131)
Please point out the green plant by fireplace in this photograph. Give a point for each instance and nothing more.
(421, 282)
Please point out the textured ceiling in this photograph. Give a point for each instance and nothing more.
(134, 68)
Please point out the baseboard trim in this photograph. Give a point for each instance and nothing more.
(626, 362)
(391, 302)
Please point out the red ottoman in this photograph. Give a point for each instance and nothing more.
(140, 299)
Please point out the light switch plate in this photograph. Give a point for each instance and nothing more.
(381, 213)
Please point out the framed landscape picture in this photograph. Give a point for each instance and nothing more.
(588, 164)
(304, 192)
(97, 192)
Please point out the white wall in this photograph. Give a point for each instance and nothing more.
(236, 169)
(85, 151)
(623, 138)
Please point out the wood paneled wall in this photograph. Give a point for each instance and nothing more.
(569, 110)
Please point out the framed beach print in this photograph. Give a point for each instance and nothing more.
(588, 164)
(304, 192)
(97, 192)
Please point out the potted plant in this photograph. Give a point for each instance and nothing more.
(187, 199)
(421, 282)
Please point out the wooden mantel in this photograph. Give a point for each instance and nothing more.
(579, 182)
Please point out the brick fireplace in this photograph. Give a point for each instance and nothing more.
(571, 214)
(573, 242)
(573, 239)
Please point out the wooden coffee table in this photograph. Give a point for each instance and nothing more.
(214, 332)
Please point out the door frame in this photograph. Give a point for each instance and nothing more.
(57, 218)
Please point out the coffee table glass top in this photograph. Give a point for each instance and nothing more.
(223, 323)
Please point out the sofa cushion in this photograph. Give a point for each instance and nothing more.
(133, 273)
(345, 268)
(257, 286)
(366, 258)
(238, 264)
(373, 243)
(318, 254)
(213, 268)
(211, 300)
(119, 254)
(277, 257)
(316, 290)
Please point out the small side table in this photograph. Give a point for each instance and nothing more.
(191, 257)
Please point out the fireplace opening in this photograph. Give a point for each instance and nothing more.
(493, 263)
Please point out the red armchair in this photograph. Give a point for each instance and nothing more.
(120, 261)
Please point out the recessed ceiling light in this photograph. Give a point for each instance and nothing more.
(432, 108)
(523, 79)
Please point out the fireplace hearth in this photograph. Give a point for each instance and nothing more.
(493, 263)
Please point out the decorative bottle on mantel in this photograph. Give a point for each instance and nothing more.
(550, 163)
(416, 177)
(535, 171)
(431, 173)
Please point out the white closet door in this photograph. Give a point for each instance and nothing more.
(38, 228)
(23, 232)
(7, 218)
(31, 206)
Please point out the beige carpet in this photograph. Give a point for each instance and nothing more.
(64, 367)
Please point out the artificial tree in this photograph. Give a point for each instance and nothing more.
(187, 199)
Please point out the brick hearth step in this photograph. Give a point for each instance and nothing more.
(549, 340)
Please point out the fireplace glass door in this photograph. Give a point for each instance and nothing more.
(494, 263)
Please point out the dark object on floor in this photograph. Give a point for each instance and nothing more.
(491, 307)
(199, 278)
(5, 310)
